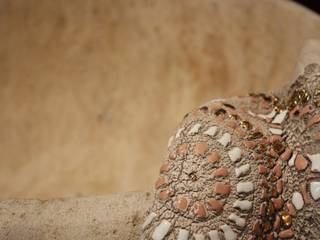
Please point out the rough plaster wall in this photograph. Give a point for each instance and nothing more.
(91, 90)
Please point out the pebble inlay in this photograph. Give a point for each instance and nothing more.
(235, 154)
(225, 139)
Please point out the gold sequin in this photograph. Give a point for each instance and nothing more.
(286, 219)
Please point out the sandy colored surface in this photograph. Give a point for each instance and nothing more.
(116, 216)
(91, 90)
(113, 217)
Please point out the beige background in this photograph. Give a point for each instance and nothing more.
(91, 90)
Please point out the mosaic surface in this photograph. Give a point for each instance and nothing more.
(243, 168)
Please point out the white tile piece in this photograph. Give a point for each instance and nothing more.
(279, 118)
(235, 154)
(292, 159)
(252, 113)
(315, 190)
(214, 235)
(241, 222)
(183, 234)
(225, 139)
(269, 115)
(212, 131)
(315, 162)
(170, 141)
(148, 220)
(161, 231)
(229, 234)
(198, 236)
(276, 131)
(245, 187)
(242, 170)
(179, 132)
(297, 200)
(194, 129)
(243, 205)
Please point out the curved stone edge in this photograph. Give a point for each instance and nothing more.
(116, 216)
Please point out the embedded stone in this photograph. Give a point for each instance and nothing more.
(242, 204)
(285, 156)
(270, 236)
(200, 210)
(278, 147)
(275, 138)
(297, 200)
(305, 194)
(214, 157)
(314, 120)
(164, 168)
(213, 235)
(179, 132)
(279, 118)
(292, 159)
(211, 131)
(165, 194)
(239, 221)
(264, 194)
(148, 220)
(232, 124)
(263, 209)
(301, 162)
(279, 186)
(216, 205)
(198, 236)
(249, 144)
(229, 234)
(276, 131)
(277, 223)
(222, 188)
(183, 234)
(315, 162)
(241, 132)
(183, 149)
(245, 187)
(160, 182)
(315, 190)
(195, 129)
(262, 169)
(242, 170)
(285, 234)
(201, 149)
(291, 209)
(225, 139)
(305, 110)
(172, 155)
(257, 228)
(277, 170)
(235, 154)
(161, 230)
(182, 203)
(221, 172)
(278, 203)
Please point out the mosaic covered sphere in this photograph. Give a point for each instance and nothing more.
(243, 168)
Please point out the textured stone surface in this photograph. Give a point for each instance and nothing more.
(116, 216)
(86, 85)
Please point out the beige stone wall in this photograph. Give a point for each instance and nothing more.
(91, 90)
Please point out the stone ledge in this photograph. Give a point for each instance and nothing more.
(116, 216)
